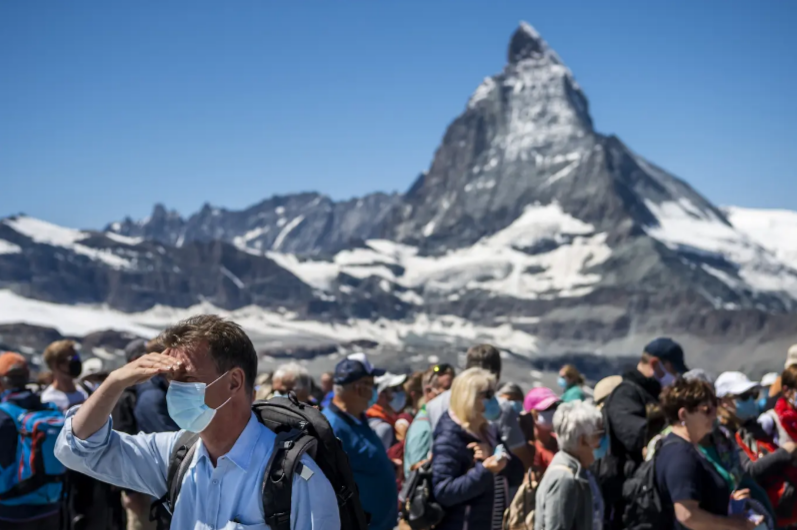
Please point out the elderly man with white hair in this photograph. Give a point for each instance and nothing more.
(568, 497)
(292, 377)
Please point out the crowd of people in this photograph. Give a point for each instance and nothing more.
(172, 440)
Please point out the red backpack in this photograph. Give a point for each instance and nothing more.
(776, 487)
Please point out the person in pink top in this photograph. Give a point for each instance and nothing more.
(541, 403)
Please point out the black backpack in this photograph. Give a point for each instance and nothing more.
(300, 429)
(644, 507)
(418, 506)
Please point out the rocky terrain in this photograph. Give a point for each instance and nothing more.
(530, 229)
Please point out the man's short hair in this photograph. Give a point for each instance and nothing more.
(58, 352)
(484, 356)
(155, 346)
(228, 345)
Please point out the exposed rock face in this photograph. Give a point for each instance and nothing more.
(306, 223)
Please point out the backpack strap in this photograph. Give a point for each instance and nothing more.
(179, 461)
(278, 479)
(85, 387)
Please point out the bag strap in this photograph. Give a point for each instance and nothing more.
(179, 461)
(35, 482)
(278, 479)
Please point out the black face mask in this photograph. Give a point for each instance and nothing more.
(75, 367)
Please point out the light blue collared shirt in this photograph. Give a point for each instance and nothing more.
(227, 497)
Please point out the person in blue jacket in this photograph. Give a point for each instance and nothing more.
(373, 471)
(470, 469)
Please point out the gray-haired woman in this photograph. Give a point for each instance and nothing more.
(568, 498)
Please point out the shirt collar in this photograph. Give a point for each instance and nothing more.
(241, 452)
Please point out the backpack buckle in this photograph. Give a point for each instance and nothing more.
(287, 444)
(279, 520)
(343, 495)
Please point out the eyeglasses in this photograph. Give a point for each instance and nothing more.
(488, 394)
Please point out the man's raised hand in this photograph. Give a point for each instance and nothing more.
(145, 368)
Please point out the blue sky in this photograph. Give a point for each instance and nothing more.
(109, 107)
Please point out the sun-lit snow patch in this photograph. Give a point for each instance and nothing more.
(125, 240)
(6, 247)
(500, 263)
(233, 278)
(44, 232)
(285, 231)
(775, 230)
(49, 234)
(242, 242)
(81, 320)
(685, 227)
(483, 91)
(317, 274)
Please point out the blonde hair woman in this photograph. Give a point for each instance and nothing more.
(469, 467)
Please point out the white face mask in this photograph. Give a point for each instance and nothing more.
(545, 419)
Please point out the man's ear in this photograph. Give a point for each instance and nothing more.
(237, 379)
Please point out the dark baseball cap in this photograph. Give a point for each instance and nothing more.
(353, 368)
(667, 350)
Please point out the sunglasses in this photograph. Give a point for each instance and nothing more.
(750, 394)
(708, 408)
(442, 368)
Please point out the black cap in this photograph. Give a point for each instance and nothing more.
(353, 368)
(667, 350)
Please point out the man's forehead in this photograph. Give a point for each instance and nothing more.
(191, 356)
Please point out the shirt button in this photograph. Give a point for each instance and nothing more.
(215, 481)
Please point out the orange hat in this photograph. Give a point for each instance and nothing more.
(9, 360)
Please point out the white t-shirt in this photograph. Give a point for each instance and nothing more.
(63, 400)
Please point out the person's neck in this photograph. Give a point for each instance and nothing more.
(64, 383)
(683, 432)
(547, 439)
(220, 437)
(645, 369)
(585, 458)
(349, 406)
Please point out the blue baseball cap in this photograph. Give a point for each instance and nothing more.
(353, 368)
(668, 350)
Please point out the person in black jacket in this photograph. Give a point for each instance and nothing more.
(626, 421)
(469, 479)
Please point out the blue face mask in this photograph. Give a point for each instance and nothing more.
(746, 409)
(186, 405)
(517, 406)
(762, 404)
(374, 397)
(399, 401)
(492, 409)
(562, 382)
(603, 448)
